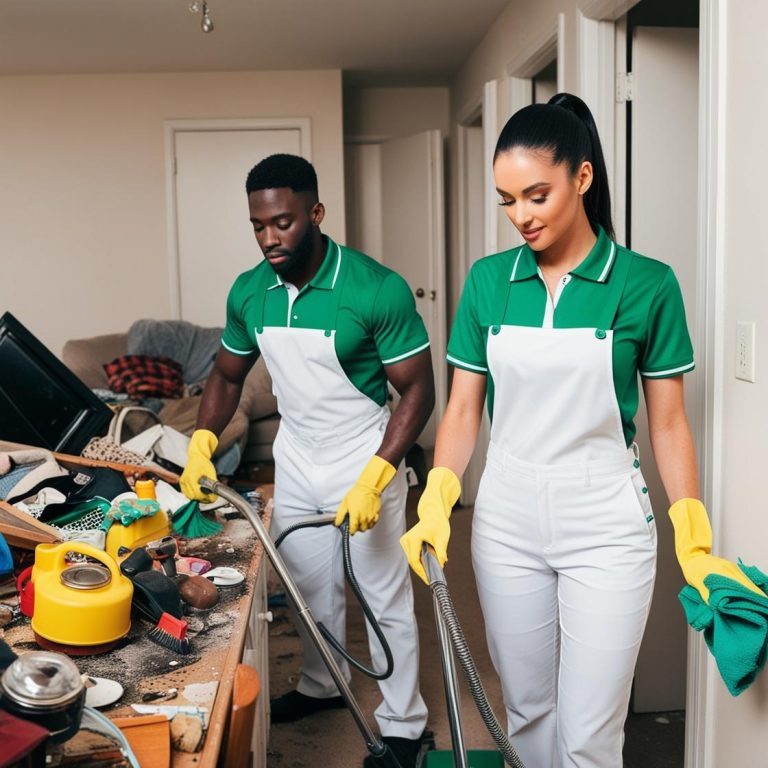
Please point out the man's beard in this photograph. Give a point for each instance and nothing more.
(297, 258)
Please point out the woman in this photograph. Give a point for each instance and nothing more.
(553, 334)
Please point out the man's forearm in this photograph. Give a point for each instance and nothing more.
(219, 403)
(407, 421)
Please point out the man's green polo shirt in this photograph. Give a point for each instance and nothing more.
(376, 321)
(650, 335)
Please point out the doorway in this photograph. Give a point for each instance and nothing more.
(395, 214)
(544, 83)
(657, 149)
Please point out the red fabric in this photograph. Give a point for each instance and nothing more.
(145, 376)
(18, 738)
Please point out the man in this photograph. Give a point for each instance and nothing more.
(334, 327)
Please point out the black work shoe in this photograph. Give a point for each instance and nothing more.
(406, 751)
(293, 706)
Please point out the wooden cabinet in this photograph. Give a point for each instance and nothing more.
(256, 655)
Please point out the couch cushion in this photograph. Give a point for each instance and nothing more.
(86, 357)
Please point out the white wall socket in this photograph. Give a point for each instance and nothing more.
(745, 351)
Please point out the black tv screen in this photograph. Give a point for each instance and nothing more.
(42, 403)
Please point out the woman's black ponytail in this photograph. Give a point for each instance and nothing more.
(565, 127)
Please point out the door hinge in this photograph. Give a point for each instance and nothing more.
(625, 87)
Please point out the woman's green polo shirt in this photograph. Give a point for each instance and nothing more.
(376, 321)
(650, 335)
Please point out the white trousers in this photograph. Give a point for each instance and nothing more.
(311, 479)
(565, 560)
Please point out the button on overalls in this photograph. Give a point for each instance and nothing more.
(328, 432)
(563, 540)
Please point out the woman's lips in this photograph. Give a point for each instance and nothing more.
(532, 234)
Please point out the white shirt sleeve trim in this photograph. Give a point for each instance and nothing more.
(668, 372)
(237, 351)
(456, 361)
(391, 360)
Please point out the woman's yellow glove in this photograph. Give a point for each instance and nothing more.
(363, 500)
(199, 464)
(435, 505)
(693, 545)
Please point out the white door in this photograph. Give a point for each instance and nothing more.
(413, 241)
(472, 201)
(214, 240)
(394, 212)
(663, 210)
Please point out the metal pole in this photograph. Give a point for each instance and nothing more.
(435, 574)
(375, 747)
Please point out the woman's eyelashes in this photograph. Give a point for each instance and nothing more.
(538, 200)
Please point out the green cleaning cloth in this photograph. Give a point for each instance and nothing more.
(734, 623)
(191, 523)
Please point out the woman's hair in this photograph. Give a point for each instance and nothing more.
(564, 126)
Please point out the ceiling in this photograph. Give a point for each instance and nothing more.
(393, 42)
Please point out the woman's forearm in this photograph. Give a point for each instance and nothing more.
(671, 438)
(457, 435)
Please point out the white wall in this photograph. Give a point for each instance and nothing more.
(738, 734)
(83, 223)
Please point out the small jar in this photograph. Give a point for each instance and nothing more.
(45, 688)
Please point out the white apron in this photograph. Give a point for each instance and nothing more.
(563, 540)
(328, 432)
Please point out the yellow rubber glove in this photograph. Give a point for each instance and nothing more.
(363, 500)
(693, 544)
(199, 464)
(435, 505)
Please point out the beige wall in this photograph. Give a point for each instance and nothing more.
(520, 29)
(386, 113)
(740, 735)
(83, 220)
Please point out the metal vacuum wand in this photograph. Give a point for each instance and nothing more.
(378, 750)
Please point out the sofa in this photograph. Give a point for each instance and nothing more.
(253, 426)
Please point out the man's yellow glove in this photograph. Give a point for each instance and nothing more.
(199, 464)
(363, 501)
(435, 505)
(693, 544)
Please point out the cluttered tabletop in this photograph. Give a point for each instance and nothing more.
(172, 662)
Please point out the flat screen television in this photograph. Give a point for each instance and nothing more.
(42, 403)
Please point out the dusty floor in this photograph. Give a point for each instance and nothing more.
(652, 741)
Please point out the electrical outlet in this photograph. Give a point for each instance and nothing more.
(745, 351)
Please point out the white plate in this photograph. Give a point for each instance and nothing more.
(223, 576)
(102, 694)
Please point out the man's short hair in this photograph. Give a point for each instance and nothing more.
(282, 170)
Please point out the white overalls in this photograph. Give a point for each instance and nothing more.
(563, 540)
(328, 432)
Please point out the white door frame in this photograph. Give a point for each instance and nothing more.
(709, 338)
(171, 128)
(710, 290)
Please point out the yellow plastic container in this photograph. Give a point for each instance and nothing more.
(79, 615)
(137, 534)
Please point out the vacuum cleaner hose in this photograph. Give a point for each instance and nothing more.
(355, 587)
(455, 632)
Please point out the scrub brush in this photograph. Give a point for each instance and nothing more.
(190, 523)
(171, 633)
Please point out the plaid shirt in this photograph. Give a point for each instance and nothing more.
(145, 376)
